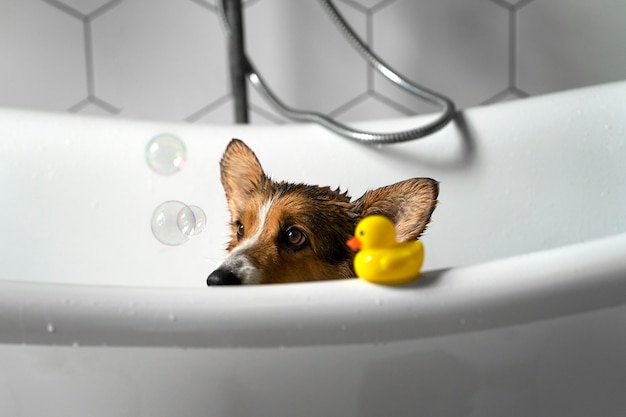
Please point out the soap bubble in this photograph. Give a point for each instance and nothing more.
(173, 222)
(200, 220)
(166, 154)
(186, 221)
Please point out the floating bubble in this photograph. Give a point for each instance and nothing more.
(200, 219)
(186, 221)
(166, 154)
(173, 222)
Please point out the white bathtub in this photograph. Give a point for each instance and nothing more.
(520, 311)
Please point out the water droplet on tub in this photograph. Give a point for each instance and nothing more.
(173, 222)
(166, 154)
(50, 328)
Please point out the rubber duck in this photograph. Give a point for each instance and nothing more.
(381, 258)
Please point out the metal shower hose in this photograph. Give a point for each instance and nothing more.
(358, 135)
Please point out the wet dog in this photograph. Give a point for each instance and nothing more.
(285, 232)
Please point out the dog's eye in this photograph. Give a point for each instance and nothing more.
(295, 237)
(240, 230)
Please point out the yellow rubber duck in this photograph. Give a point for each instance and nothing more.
(381, 259)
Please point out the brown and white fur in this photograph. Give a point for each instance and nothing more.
(284, 232)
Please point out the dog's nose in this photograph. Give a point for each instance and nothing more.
(222, 277)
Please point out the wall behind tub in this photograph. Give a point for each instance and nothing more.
(166, 59)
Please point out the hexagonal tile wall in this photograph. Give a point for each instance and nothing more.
(86, 12)
(160, 60)
(165, 60)
(326, 63)
(82, 7)
(566, 44)
(456, 47)
(33, 35)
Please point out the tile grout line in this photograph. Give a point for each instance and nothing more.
(512, 47)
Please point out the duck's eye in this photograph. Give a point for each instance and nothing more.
(294, 237)
(361, 232)
(240, 230)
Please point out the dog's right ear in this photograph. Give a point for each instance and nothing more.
(241, 174)
(409, 204)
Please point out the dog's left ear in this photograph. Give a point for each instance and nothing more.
(409, 204)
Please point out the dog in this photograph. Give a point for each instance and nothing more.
(286, 232)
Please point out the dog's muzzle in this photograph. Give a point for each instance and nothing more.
(222, 277)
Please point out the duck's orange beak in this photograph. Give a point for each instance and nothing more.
(354, 243)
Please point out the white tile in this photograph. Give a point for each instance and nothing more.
(92, 109)
(213, 112)
(514, 2)
(455, 47)
(367, 4)
(159, 59)
(43, 61)
(260, 116)
(224, 114)
(85, 7)
(509, 94)
(208, 4)
(219, 113)
(571, 43)
(370, 107)
(303, 56)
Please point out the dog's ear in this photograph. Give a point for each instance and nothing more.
(241, 174)
(409, 204)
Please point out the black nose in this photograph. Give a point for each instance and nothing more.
(222, 277)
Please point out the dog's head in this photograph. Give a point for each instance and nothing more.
(285, 232)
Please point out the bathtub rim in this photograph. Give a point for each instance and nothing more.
(540, 286)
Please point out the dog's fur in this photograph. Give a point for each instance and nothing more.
(285, 232)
